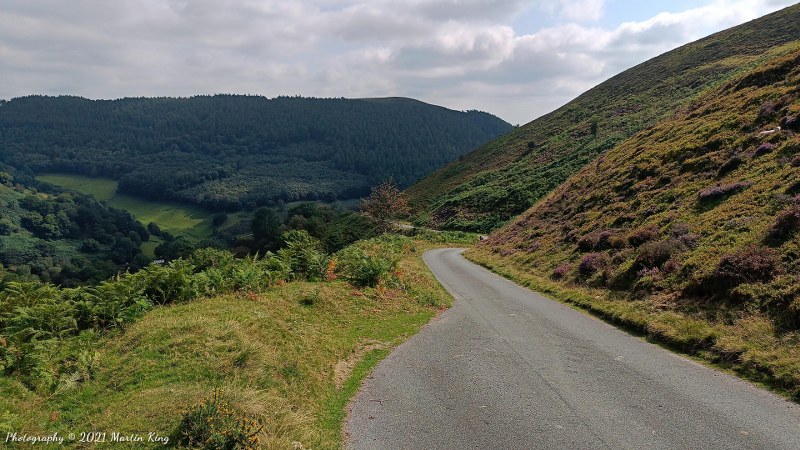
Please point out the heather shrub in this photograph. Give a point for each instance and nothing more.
(602, 240)
(655, 254)
(786, 224)
(643, 235)
(216, 424)
(753, 264)
(763, 149)
(796, 161)
(729, 166)
(592, 263)
(647, 279)
(791, 122)
(718, 192)
(560, 272)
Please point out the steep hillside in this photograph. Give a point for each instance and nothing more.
(505, 177)
(64, 238)
(697, 216)
(229, 152)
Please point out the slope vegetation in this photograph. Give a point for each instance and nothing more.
(153, 351)
(692, 225)
(64, 238)
(229, 152)
(506, 176)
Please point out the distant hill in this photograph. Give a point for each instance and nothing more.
(232, 151)
(506, 176)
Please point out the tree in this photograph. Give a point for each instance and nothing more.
(384, 205)
(266, 226)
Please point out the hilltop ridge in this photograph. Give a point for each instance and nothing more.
(228, 152)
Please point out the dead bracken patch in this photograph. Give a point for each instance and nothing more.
(344, 367)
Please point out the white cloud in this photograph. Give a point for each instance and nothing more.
(462, 54)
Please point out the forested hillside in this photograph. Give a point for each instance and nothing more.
(231, 152)
(505, 177)
(692, 226)
(65, 238)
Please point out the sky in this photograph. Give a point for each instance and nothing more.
(516, 59)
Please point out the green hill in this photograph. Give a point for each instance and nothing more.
(231, 152)
(690, 230)
(506, 176)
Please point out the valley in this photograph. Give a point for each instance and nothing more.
(240, 271)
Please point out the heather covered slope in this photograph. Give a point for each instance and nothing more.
(506, 176)
(697, 217)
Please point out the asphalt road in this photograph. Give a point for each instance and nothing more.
(506, 368)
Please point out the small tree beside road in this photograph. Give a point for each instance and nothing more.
(384, 205)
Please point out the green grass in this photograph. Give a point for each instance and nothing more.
(291, 364)
(173, 217)
(102, 189)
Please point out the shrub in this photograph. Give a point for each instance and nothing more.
(362, 269)
(791, 122)
(560, 272)
(718, 192)
(655, 254)
(304, 255)
(786, 224)
(602, 240)
(753, 264)
(216, 424)
(172, 283)
(643, 235)
(592, 263)
(763, 149)
(729, 166)
(796, 161)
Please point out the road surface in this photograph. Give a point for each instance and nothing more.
(506, 368)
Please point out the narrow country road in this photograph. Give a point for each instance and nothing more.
(506, 368)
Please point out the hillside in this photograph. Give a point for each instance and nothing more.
(231, 152)
(266, 351)
(64, 238)
(690, 229)
(506, 176)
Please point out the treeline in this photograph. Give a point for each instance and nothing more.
(64, 238)
(228, 152)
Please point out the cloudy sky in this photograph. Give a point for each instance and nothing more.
(514, 58)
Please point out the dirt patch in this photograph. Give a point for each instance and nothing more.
(343, 368)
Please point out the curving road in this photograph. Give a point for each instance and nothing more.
(506, 368)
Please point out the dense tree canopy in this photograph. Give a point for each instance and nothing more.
(65, 238)
(229, 152)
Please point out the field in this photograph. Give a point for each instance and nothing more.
(175, 218)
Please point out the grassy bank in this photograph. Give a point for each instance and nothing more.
(749, 345)
(290, 357)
